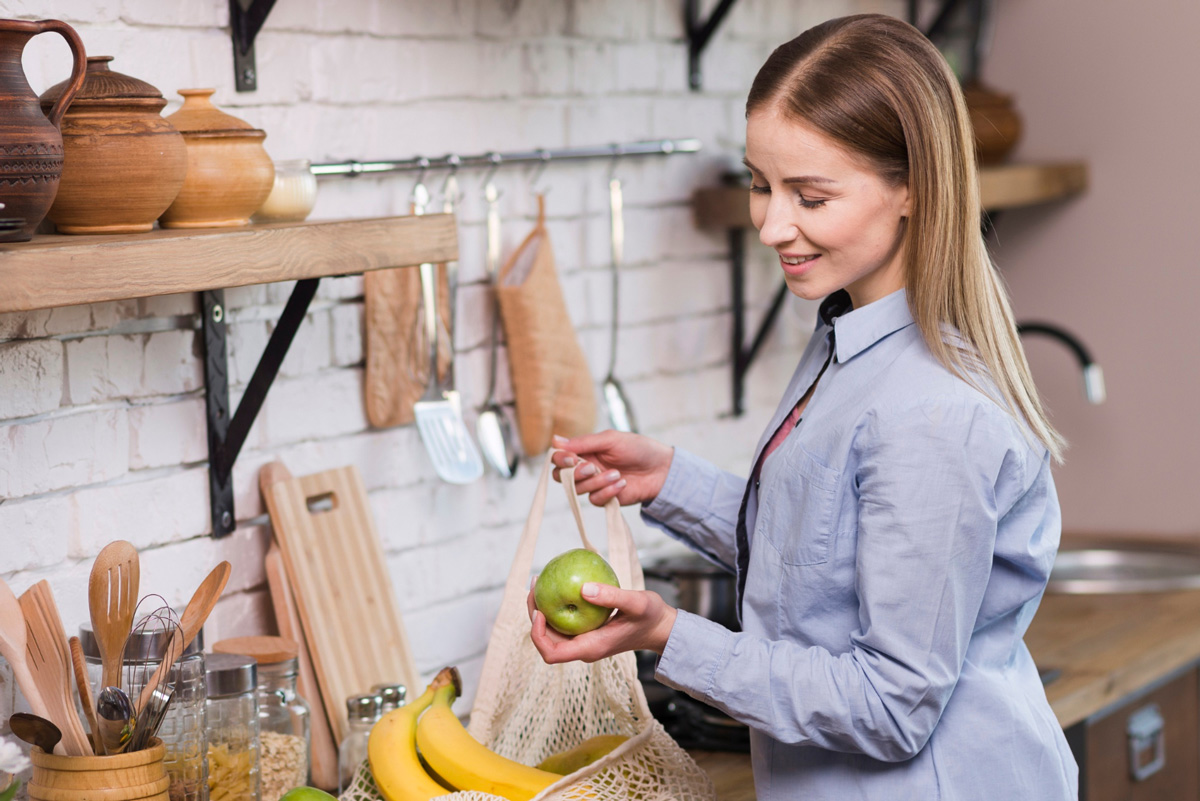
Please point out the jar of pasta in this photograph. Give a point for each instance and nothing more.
(231, 721)
(284, 718)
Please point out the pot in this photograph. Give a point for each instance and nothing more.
(31, 145)
(692, 583)
(123, 163)
(229, 173)
(995, 120)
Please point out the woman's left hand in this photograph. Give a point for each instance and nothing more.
(643, 622)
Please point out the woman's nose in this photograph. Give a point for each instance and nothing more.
(777, 226)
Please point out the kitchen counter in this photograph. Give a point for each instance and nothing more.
(1104, 647)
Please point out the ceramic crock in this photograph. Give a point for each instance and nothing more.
(31, 147)
(124, 163)
(995, 120)
(229, 173)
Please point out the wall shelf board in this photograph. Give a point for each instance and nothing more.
(53, 270)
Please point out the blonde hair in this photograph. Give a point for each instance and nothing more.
(879, 88)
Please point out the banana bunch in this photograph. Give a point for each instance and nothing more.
(453, 755)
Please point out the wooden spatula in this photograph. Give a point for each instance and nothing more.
(112, 600)
(50, 664)
(190, 623)
(13, 640)
(85, 690)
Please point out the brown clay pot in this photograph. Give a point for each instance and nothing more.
(124, 163)
(31, 149)
(229, 173)
(996, 122)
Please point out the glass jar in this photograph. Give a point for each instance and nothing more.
(182, 729)
(361, 713)
(293, 194)
(284, 718)
(231, 725)
(393, 696)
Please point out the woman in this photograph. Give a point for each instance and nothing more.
(898, 528)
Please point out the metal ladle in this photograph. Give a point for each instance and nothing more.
(35, 730)
(492, 427)
(620, 412)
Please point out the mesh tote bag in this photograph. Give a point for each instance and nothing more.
(526, 710)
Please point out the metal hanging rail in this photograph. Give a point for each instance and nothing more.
(656, 147)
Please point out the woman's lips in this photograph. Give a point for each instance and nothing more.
(797, 265)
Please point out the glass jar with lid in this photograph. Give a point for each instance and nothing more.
(362, 711)
(182, 729)
(231, 724)
(393, 696)
(284, 718)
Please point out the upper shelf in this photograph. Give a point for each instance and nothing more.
(1005, 187)
(53, 271)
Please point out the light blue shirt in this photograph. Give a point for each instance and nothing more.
(896, 550)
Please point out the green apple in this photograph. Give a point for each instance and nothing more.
(306, 794)
(557, 593)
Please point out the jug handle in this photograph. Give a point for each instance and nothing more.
(78, 71)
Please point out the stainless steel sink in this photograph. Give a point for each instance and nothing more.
(1124, 568)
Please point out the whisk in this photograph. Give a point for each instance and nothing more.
(154, 645)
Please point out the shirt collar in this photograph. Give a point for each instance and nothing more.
(855, 330)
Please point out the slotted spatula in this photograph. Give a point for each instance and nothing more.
(13, 638)
(454, 455)
(50, 664)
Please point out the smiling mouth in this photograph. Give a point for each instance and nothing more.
(794, 260)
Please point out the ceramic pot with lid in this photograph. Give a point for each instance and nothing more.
(31, 145)
(229, 173)
(995, 120)
(124, 163)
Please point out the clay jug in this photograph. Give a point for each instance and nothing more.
(31, 149)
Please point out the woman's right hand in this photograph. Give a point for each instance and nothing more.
(630, 467)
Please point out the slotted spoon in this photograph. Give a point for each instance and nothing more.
(454, 455)
(112, 600)
(13, 640)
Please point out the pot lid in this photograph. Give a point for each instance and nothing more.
(102, 85)
(199, 117)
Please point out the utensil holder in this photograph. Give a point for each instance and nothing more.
(136, 776)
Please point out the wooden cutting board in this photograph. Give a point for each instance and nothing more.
(287, 617)
(335, 564)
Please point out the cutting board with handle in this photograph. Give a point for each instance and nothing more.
(335, 565)
(287, 617)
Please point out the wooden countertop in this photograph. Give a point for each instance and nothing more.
(1106, 647)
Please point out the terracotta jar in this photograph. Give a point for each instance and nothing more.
(996, 122)
(229, 173)
(124, 163)
(31, 149)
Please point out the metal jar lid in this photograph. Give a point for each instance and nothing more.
(148, 645)
(363, 707)
(230, 674)
(392, 695)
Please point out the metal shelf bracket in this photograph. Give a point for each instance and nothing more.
(699, 33)
(227, 434)
(246, 18)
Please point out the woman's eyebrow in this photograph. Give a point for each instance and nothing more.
(809, 179)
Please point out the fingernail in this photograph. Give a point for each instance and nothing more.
(560, 440)
(532, 581)
(590, 590)
(569, 461)
(620, 484)
(612, 475)
(585, 471)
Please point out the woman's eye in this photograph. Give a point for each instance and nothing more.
(810, 204)
(760, 190)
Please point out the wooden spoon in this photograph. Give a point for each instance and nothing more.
(190, 623)
(85, 692)
(112, 600)
(12, 648)
(50, 664)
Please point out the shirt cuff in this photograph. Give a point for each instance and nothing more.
(678, 495)
(695, 650)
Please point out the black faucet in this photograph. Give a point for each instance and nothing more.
(1093, 376)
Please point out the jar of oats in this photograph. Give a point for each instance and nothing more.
(284, 718)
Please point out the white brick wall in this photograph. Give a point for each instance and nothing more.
(102, 408)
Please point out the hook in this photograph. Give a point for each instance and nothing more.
(420, 193)
(450, 191)
(494, 159)
(539, 171)
(617, 152)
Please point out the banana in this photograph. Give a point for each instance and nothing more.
(582, 755)
(392, 749)
(466, 763)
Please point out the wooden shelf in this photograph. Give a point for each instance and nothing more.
(1005, 187)
(53, 271)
